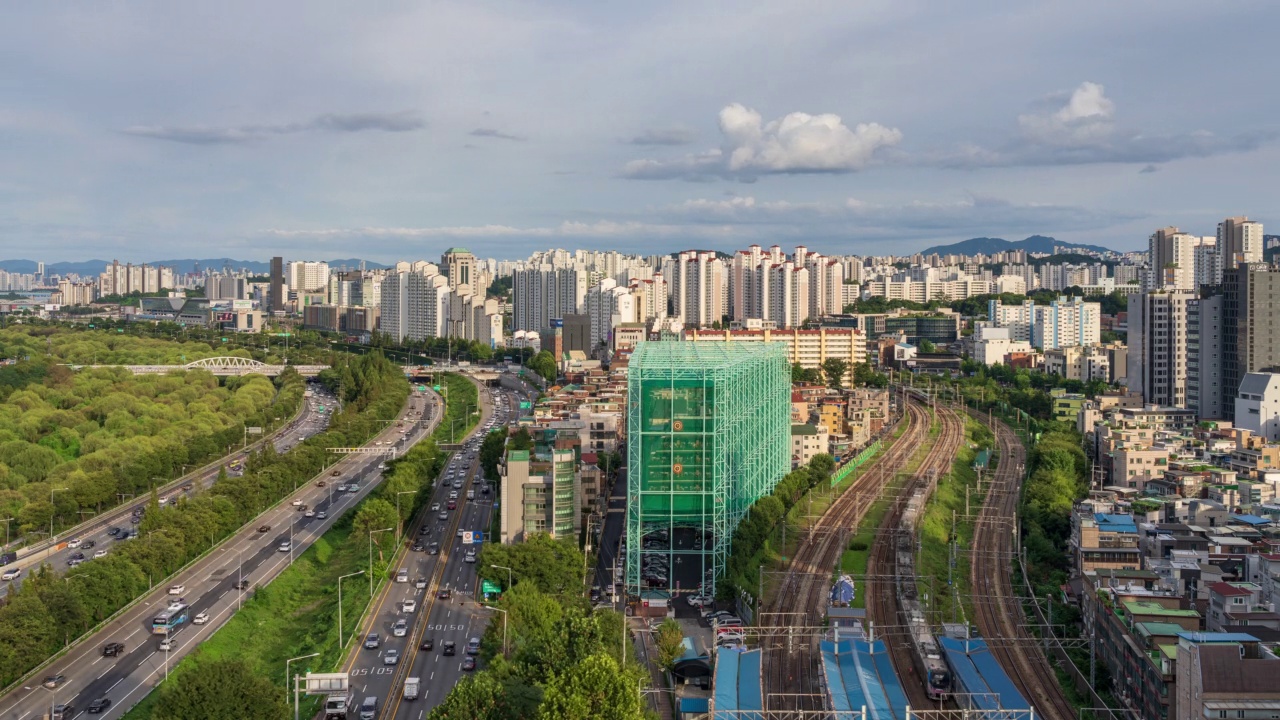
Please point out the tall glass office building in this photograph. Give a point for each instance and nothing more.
(708, 428)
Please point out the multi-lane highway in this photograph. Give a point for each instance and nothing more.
(213, 586)
(93, 539)
(442, 586)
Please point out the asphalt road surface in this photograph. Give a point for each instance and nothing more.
(208, 586)
(308, 423)
(457, 617)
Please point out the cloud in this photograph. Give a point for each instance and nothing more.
(331, 122)
(1080, 128)
(492, 133)
(796, 143)
(664, 136)
(1148, 169)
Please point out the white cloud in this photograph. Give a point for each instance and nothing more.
(1080, 128)
(796, 143)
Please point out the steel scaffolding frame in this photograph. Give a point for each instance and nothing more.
(708, 429)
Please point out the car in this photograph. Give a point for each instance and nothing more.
(450, 648)
(485, 490)
(176, 603)
(99, 554)
(302, 508)
(400, 628)
(321, 515)
(453, 505)
(297, 503)
(72, 562)
(453, 494)
(177, 589)
(135, 520)
(320, 483)
(264, 528)
(241, 585)
(424, 530)
(342, 487)
(336, 473)
(470, 557)
(428, 644)
(54, 681)
(469, 664)
(353, 488)
(112, 649)
(285, 546)
(88, 544)
(420, 583)
(62, 711)
(113, 531)
(443, 594)
(391, 657)
(309, 513)
(402, 576)
(99, 706)
(409, 605)
(435, 507)
(166, 645)
(473, 646)
(371, 641)
(200, 618)
(433, 548)
(444, 515)
(699, 601)
(74, 543)
(418, 547)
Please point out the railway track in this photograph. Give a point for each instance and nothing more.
(883, 606)
(792, 674)
(1002, 617)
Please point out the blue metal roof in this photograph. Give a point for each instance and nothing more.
(1217, 637)
(982, 675)
(737, 685)
(1108, 522)
(860, 675)
(1251, 519)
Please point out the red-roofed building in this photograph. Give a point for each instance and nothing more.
(1227, 601)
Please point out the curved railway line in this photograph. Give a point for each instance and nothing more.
(1001, 617)
(793, 682)
(883, 606)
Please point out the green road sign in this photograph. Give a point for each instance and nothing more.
(489, 588)
(525, 405)
(436, 388)
(90, 325)
(283, 334)
(224, 339)
(119, 330)
(422, 388)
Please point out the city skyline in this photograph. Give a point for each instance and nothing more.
(402, 131)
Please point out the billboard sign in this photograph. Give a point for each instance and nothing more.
(253, 430)
(325, 683)
(239, 305)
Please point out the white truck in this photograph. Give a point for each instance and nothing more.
(411, 688)
(336, 706)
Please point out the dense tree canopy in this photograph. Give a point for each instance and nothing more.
(553, 566)
(225, 689)
(544, 364)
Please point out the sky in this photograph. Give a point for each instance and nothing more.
(153, 130)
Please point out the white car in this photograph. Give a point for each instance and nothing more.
(200, 618)
(470, 557)
(166, 645)
(73, 544)
(100, 554)
(11, 574)
(402, 576)
(322, 515)
(409, 606)
(309, 513)
(177, 589)
(285, 546)
(297, 502)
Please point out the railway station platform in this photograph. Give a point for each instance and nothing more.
(980, 683)
(859, 676)
(738, 688)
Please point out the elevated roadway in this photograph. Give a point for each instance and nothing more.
(221, 366)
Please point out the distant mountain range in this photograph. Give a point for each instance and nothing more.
(988, 246)
(94, 267)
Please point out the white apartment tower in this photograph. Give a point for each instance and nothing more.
(698, 288)
(1172, 254)
(1239, 241)
(608, 306)
(788, 295)
(543, 292)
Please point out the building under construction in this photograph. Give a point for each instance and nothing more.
(709, 428)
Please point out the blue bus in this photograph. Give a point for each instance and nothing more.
(169, 620)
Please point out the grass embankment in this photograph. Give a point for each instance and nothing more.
(954, 604)
(297, 614)
(462, 410)
(857, 555)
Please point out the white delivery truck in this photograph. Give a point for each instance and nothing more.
(411, 688)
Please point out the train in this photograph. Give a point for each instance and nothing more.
(926, 654)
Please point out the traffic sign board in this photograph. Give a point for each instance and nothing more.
(489, 588)
(466, 537)
(477, 537)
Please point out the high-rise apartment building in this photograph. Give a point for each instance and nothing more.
(1250, 326)
(1062, 323)
(698, 288)
(788, 295)
(414, 305)
(305, 276)
(608, 306)
(1158, 348)
(1207, 261)
(1239, 241)
(544, 292)
(541, 492)
(1172, 254)
(1204, 357)
(459, 265)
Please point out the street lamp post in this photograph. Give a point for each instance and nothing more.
(371, 533)
(504, 567)
(295, 682)
(240, 579)
(342, 641)
(6, 522)
(399, 521)
(504, 628)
